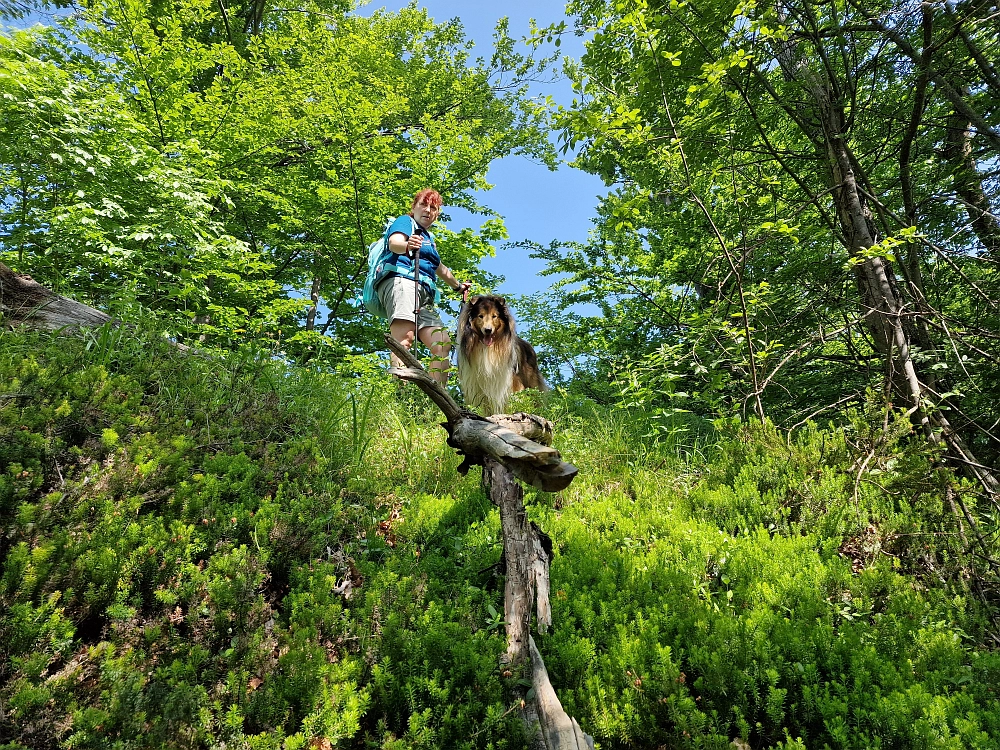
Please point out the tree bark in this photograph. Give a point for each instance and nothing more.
(559, 730)
(527, 585)
(23, 301)
(969, 184)
(519, 553)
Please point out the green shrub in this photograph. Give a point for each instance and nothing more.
(739, 603)
(200, 550)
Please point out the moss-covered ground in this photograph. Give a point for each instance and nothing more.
(228, 551)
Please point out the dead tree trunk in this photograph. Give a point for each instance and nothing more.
(517, 534)
(527, 585)
(23, 301)
(527, 579)
(506, 446)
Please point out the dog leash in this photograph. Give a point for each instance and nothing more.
(458, 323)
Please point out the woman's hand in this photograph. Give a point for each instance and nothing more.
(413, 245)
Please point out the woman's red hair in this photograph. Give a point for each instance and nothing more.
(433, 198)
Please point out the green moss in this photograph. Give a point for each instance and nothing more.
(204, 550)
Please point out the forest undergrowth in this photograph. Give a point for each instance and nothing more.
(227, 551)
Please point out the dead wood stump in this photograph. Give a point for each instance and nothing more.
(509, 446)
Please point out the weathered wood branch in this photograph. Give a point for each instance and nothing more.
(23, 301)
(518, 551)
(559, 730)
(508, 446)
(530, 426)
(519, 441)
(420, 378)
(491, 438)
(527, 552)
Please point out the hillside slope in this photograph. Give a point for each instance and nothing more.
(227, 552)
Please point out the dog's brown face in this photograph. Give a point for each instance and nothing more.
(488, 318)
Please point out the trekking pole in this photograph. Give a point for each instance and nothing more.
(416, 297)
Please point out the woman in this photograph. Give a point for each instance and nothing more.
(408, 236)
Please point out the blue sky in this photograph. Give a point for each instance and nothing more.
(537, 204)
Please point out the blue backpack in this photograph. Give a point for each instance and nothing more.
(375, 252)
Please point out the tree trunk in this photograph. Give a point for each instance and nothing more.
(969, 184)
(527, 553)
(885, 307)
(314, 297)
(518, 551)
(882, 302)
(23, 301)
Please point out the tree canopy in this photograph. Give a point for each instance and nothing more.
(802, 210)
(227, 166)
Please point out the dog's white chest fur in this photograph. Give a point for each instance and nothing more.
(485, 375)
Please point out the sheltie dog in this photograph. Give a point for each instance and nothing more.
(493, 361)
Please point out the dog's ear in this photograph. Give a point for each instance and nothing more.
(501, 301)
(474, 300)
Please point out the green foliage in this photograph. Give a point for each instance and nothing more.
(222, 173)
(719, 258)
(177, 532)
(760, 595)
(198, 550)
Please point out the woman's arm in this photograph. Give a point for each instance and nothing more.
(400, 244)
(444, 273)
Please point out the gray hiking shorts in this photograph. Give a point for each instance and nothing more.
(396, 294)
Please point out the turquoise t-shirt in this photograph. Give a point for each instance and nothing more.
(429, 258)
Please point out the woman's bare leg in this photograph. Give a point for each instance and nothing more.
(402, 331)
(439, 342)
